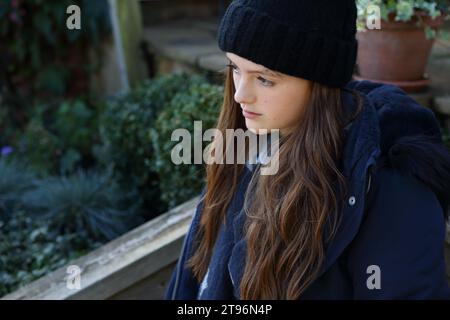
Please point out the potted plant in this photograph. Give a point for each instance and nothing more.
(396, 51)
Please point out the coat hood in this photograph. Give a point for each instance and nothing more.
(410, 139)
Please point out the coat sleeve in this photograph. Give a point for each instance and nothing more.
(399, 251)
(183, 285)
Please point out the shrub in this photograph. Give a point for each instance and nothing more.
(37, 145)
(29, 250)
(59, 138)
(126, 136)
(13, 115)
(84, 202)
(76, 125)
(15, 180)
(39, 53)
(47, 222)
(179, 183)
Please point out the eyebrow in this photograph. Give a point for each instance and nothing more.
(263, 71)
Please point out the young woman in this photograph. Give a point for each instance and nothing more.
(357, 207)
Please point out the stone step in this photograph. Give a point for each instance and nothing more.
(190, 42)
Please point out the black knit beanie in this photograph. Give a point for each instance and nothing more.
(309, 39)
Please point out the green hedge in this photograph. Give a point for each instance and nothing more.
(201, 102)
(133, 141)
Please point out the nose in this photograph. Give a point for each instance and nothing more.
(244, 93)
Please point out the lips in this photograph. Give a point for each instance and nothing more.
(250, 115)
(250, 112)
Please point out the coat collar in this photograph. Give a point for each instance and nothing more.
(360, 154)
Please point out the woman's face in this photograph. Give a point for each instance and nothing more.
(268, 99)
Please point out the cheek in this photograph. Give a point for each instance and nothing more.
(284, 108)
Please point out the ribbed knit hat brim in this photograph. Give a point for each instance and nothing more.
(280, 46)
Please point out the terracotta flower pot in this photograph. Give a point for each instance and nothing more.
(397, 53)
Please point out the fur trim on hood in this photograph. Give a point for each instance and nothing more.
(410, 138)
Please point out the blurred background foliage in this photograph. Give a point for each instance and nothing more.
(80, 173)
(42, 58)
(77, 169)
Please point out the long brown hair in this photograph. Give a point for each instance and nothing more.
(287, 214)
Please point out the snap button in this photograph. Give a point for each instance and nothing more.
(351, 200)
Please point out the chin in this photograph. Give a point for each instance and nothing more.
(258, 131)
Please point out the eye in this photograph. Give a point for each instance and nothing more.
(232, 66)
(265, 82)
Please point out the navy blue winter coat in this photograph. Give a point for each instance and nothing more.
(393, 221)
